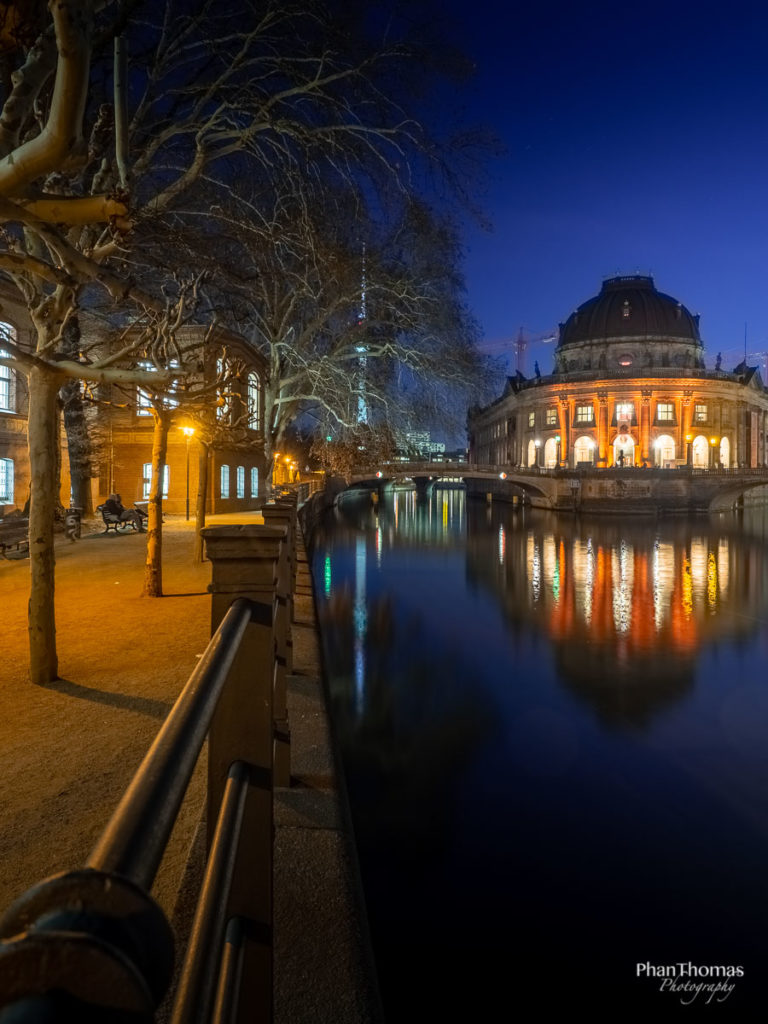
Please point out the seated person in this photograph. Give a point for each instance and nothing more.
(114, 506)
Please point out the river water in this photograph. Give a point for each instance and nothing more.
(555, 740)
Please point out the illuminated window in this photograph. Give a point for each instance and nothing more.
(585, 414)
(665, 412)
(240, 482)
(7, 376)
(531, 419)
(625, 412)
(147, 483)
(254, 482)
(6, 481)
(551, 417)
(254, 401)
(626, 310)
(145, 401)
(6, 400)
(225, 481)
(699, 413)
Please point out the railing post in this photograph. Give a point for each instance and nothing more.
(283, 514)
(245, 564)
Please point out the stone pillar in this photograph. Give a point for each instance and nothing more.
(562, 417)
(602, 429)
(645, 427)
(283, 514)
(245, 564)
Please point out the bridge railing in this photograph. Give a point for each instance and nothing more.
(91, 944)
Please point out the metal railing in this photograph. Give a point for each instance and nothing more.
(91, 944)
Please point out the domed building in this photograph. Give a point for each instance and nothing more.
(629, 388)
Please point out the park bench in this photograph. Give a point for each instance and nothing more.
(113, 522)
(14, 532)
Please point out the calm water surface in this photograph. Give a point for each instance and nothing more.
(555, 739)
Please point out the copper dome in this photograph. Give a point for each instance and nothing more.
(629, 307)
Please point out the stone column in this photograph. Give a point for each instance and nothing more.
(562, 415)
(602, 429)
(645, 426)
(245, 564)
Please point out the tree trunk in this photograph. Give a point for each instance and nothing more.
(153, 572)
(76, 425)
(41, 434)
(202, 498)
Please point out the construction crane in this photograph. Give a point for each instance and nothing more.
(524, 339)
(517, 346)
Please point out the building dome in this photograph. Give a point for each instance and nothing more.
(629, 323)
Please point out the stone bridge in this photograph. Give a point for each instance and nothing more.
(627, 490)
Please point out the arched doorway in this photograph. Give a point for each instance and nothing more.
(725, 453)
(550, 453)
(624, 450)
(664, 451)
(700, 452)
(583, 450)
(531, 453)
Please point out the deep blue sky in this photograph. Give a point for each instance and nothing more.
(636, 140)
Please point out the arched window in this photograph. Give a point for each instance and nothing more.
(624, 450)
(583, 450)
(550, 453)
(254, 401)
(531, 453)
(700, 452)
(664, 450)
(223, 397)
(725, 453)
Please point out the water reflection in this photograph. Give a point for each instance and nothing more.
(627, 607)
(554, 730)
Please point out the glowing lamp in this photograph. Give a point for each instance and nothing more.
(503, 476)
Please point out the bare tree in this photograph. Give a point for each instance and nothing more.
(358, 320)
(87, 171)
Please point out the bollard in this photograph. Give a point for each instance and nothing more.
(245, 563)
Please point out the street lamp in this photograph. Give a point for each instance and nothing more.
(688, 439)
(188, 432)
(537, 442)
(714, 460)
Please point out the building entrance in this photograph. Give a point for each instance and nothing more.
(624, 450)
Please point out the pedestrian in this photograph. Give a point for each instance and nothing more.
(115, 507)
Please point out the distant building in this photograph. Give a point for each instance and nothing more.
(120, 424)
(629, 388)
(419, 444)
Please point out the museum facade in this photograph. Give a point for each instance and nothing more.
(629, 388)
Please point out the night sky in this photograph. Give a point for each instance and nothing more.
(636, 141)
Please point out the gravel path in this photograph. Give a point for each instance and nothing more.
(68, 750)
